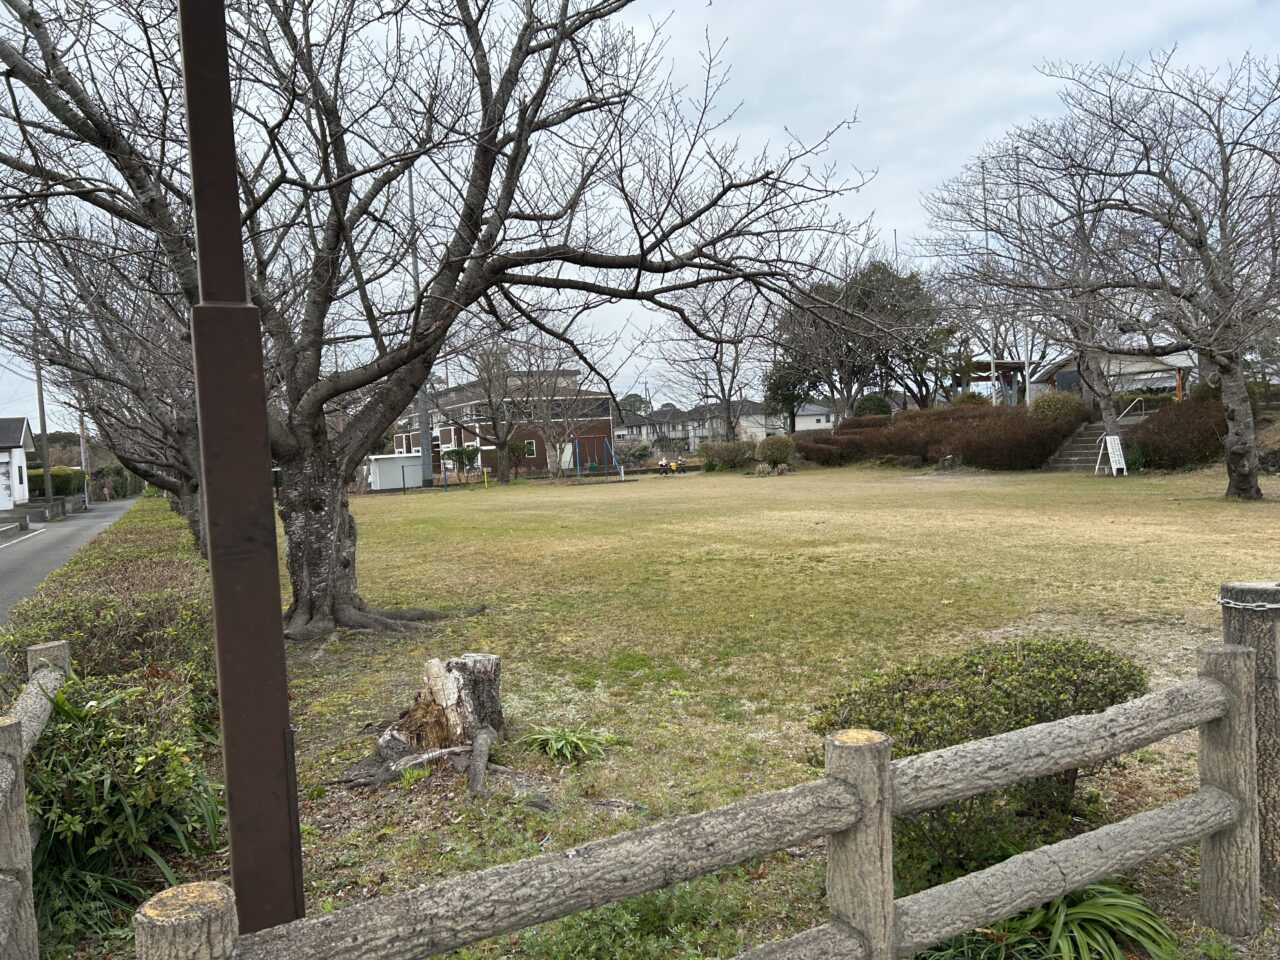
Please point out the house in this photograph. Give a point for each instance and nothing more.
(15, 443)
(1124, 373)
(685, 430)
(814, 416)
(555, 420)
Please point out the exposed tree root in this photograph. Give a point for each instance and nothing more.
(365, 619)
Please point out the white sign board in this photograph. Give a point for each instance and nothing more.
(1115, 453)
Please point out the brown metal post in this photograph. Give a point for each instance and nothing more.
(262, 808)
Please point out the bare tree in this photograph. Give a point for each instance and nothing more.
(397, 164)
(714, 350)
(120, 355)
(1144, 221)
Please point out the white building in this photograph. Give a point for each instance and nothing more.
(394, 471)
(15, 443)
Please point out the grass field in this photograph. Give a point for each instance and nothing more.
(699, 619)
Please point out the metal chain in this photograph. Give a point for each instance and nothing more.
(1222, 601)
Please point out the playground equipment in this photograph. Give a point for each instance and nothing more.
(597, 454)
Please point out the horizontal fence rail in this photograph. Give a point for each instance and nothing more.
(1029, 879)
(929, 780)
(436, 919)
(853, 807)
(47, 666)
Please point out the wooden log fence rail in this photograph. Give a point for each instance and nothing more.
(47, 666)
(853, 807)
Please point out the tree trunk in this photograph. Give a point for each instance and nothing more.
(190, 505)
(1093, 376)
(1241, 441)
(320, 546)
(503, 450)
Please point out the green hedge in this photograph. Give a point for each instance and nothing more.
(987, 689)
(67, 482)
(121, 778)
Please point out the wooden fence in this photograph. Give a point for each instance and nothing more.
(853, 806)
(47, 665)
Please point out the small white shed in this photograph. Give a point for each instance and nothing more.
(15, 443)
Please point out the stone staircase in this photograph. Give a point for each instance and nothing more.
(1079, 453)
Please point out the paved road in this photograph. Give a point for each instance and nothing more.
(32, 556)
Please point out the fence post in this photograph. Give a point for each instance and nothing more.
(860, 859)
(1249, 615)
(15, 844)
(196, 921)
(1230, 872)
(54, 654)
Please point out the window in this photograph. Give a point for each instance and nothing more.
(531, 448)
(21, 478)
(818, 421)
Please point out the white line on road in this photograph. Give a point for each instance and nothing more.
(20, 539)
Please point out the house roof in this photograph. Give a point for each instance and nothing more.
(16, 432)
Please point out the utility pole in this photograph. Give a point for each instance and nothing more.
(84, 459)
(44, 436)
(239, 505)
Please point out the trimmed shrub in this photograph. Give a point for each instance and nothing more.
(1180, 435)
(812, 436)
(775, 450)
(872, 406)
(117, 778)
(861, 423)
(118, 788)
(969, 398)
(729, 455)
(1013, 443)
(823, 454)
(988, 689)
(1058, 406)
(136, 596)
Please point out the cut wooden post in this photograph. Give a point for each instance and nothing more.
(15, 844)
(1249, 615)
(1230, 872)
(196, 921)
(860, 859)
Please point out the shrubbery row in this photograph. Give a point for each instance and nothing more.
(120, 779)
(997, 438)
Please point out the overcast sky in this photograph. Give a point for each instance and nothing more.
(929, 80)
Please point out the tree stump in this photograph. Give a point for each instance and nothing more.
(459, 703)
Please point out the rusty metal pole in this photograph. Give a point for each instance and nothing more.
(226, 338)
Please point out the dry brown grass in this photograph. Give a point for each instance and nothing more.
(700, 618)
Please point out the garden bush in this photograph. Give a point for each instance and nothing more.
(118, 787)
(969, 398)
(812, 436)
(67, 482)
(861, 423)
(1058, 406)
(1180, 435)
(823, 454)
(987, 689)
(118, 779)
(872, 406)
(775, 450)
(727, 455)
(137, 595)
(996, 438)
(1013, 442)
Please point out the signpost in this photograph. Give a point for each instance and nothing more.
(1114, 453)
(239, 509)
